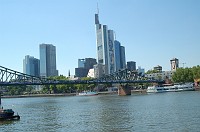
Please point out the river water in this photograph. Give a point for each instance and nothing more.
(175, 111)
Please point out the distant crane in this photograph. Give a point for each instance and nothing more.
(183, 64)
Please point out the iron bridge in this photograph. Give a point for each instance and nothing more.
(9, 77)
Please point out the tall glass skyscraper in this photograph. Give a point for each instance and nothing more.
(102, 43)
(111, 51)
(122, 57)
(48, 60)
(31, 66)
(117, 57)
(109, 54)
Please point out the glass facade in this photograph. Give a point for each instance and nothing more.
(131, 65)
(122, 57)
(31, 66)
(102, 43)
(81, 63)
(48, 60)
(113, 58)
(117, 55)
(110, 51)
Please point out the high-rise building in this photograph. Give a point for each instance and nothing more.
(81, 63)
(89, 63)
(131, 65)
(117, 57)
(84, 65)
(109, 53)
(102, 43)
(31, 66)
(122, 57)
(48, 60)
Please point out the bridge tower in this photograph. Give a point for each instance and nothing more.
(124, 90)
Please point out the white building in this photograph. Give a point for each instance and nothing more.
(161, 75)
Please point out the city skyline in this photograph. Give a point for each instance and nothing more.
(153, 32)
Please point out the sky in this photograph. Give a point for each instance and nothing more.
(152, 31)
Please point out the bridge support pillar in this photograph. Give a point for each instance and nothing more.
(124, 90)
(0, 98)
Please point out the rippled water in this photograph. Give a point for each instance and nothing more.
(178, 111)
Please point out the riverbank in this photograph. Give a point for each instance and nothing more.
(69, 94)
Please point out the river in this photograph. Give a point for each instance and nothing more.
(175, 111)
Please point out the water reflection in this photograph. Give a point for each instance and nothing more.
(156, 112)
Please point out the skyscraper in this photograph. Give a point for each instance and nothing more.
(102, 43)
(31, 66)
(48, 60)
(108, 54)
(81, 63)
(84, 65)
(117, 57)
(110, 51)
(122, 57)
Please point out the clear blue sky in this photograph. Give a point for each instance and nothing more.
(152, 31)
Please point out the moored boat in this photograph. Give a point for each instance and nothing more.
(8, 114)
(170, 88)
(87, 93)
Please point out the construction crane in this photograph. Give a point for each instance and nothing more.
(183, 64)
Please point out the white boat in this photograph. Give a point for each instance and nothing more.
(170, 88)
(87, 93)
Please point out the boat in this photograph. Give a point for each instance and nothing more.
(170, 88)
(87, 93)
(8, 114)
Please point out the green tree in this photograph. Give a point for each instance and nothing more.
(152, 71)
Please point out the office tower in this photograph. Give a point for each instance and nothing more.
(81, 63)
(84, 66)
(48, 60)
(117, 57)
(110, 51)
(108, 54)
(122, 57)
(89, 63)
(31, 66)
(174, 64)
(131, 65)
(102, 43)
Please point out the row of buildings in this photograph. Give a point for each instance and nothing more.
(45, 66)
(110, 58)
(160, 74)
(110, 55)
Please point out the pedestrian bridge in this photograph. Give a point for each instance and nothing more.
(9, 77)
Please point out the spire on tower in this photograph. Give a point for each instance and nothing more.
(97, 15)
(97, 8)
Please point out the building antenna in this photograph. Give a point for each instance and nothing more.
(115, 35)
(97, 8)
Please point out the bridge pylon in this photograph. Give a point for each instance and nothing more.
(124, 90)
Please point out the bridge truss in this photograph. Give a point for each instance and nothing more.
(10, 77)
